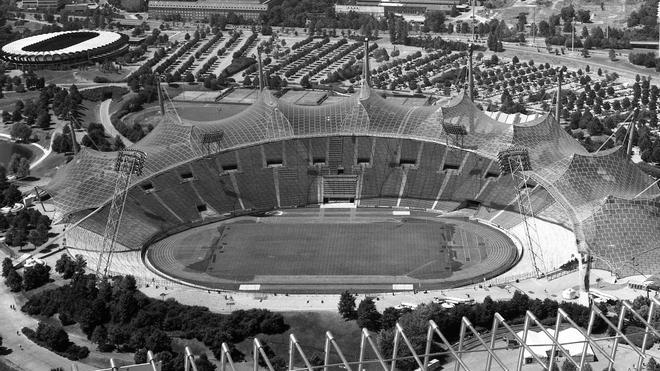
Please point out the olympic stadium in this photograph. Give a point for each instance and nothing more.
(423, 201)
(67, 48)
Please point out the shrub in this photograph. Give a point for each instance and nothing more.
(642, 59)
(101, 80)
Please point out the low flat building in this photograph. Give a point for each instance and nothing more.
(76, 8)
(372, 10)
(200, 10)
(39, 4)
(411, 6)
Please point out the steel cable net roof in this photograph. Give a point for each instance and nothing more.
(623, 235)
(577, 180)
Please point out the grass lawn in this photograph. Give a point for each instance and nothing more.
(309, 329)
(47, 167)
(10, 99)
(188, 111)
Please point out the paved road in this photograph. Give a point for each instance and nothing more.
(104, 114)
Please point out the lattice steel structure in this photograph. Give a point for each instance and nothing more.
(129, 162)
(576, 181)
(515, 161)
(488, 344)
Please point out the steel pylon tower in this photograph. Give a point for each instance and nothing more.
(515, 161)
(129, 162)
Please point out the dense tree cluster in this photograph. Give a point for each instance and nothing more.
(645, 21)
(57, 340)
(69, 268)
(97, 139)
(28, 225)
(115, 315)
(19, 166)
(36, 276)
(9, 193)
(644, 59)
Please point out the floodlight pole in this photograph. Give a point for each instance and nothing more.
(515, 161)
(129, 162)
(573, 35)
(534, 28)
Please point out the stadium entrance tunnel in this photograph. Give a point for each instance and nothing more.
(316, 250)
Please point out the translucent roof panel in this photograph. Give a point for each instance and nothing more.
(623, 235)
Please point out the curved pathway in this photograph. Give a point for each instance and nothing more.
(104, 114)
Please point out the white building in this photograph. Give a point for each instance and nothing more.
(570, 339)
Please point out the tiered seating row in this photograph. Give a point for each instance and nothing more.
(243, 179)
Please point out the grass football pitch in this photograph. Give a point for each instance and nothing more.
(244, 250)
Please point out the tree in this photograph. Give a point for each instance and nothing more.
(140, 356)
(65, 266)
(7, 265)
(158, 341)
(304, 82)
(346, 306)
(43, 120)
(585, 52)
(390, 317)
(203, 364)
(36, 276)
(568, 366)
(20, 131)
(544, 29)
(99, 335)
(368, 316)
(14, 281)
(54, 337)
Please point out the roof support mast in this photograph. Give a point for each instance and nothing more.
(365, 70)
(558, 106)
(161, 103)
(261, 70)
